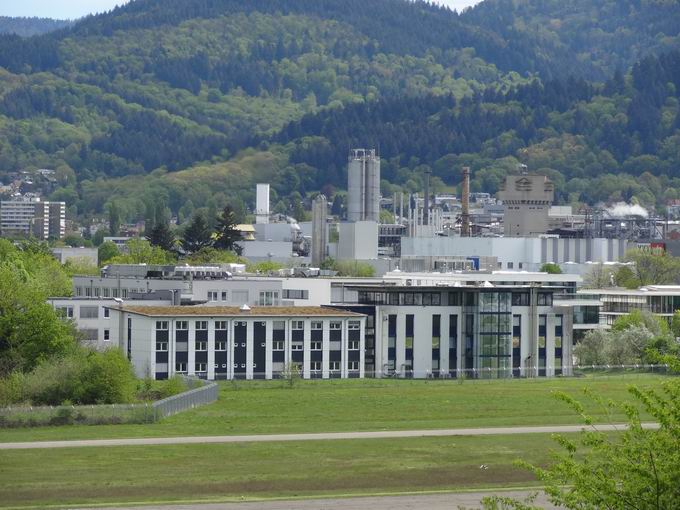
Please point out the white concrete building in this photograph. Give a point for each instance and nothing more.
(92, 317)
(31, 216)
(661, 300)
(245, 343)
(66, 253)
(521, 253)
(500, 324)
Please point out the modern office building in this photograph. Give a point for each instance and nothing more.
(241, 343)
(480, 324)
(662, 300)
(31, 216)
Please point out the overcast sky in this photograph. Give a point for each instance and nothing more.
(71, 9)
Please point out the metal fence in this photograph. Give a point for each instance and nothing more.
(38, 416)
(482, 373)
(188, 400)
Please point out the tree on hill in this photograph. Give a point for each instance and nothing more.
(197, 235)
(114, 219)
(107, 251)
(161, 235)
(227, 232)
(140, 251)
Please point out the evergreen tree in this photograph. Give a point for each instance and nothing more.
(227, 233)
(161, 235)
(114, 219)
(197, 235)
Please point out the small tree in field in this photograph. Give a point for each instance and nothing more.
(291, 373)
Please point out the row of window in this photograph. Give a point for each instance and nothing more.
(105, 292)
(435, 298)
(277, 325)
(314, 366)
(84, 312)
(277, 345)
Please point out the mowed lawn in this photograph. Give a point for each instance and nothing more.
(174, 473)
(270, 407)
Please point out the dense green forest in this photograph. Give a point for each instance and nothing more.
(188, 103)
(26, 27)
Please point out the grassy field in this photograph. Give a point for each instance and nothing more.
(269, 407)
(264, 470)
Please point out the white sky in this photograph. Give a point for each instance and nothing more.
(71, 9)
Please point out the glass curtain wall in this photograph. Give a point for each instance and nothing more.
(495, 334)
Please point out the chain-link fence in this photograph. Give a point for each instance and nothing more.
(38, 416)
(540, 373)
(188, 400)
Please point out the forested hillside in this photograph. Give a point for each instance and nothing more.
(190, 102)
(27, 27)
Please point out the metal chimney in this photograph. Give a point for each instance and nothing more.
(465, 198)
(426, 198)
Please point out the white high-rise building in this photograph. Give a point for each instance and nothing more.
(26, 216)
(363, 186)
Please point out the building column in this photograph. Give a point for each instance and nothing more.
(250, 341)
(191, 348)
(268, 356)
(306, 349)
(325, 347)
(211, 351)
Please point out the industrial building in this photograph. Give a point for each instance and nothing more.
(363, 186)
(29, 216)
(527, 199)
(241, 343)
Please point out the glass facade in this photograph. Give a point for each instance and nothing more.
(495, 333)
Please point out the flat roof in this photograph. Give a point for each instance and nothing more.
(229, 311)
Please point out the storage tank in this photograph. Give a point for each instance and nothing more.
(363, 186)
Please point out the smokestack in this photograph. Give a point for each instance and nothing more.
(465, 225)
(426, 201)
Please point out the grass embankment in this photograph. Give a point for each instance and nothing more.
(264, 470)
(269, 407)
